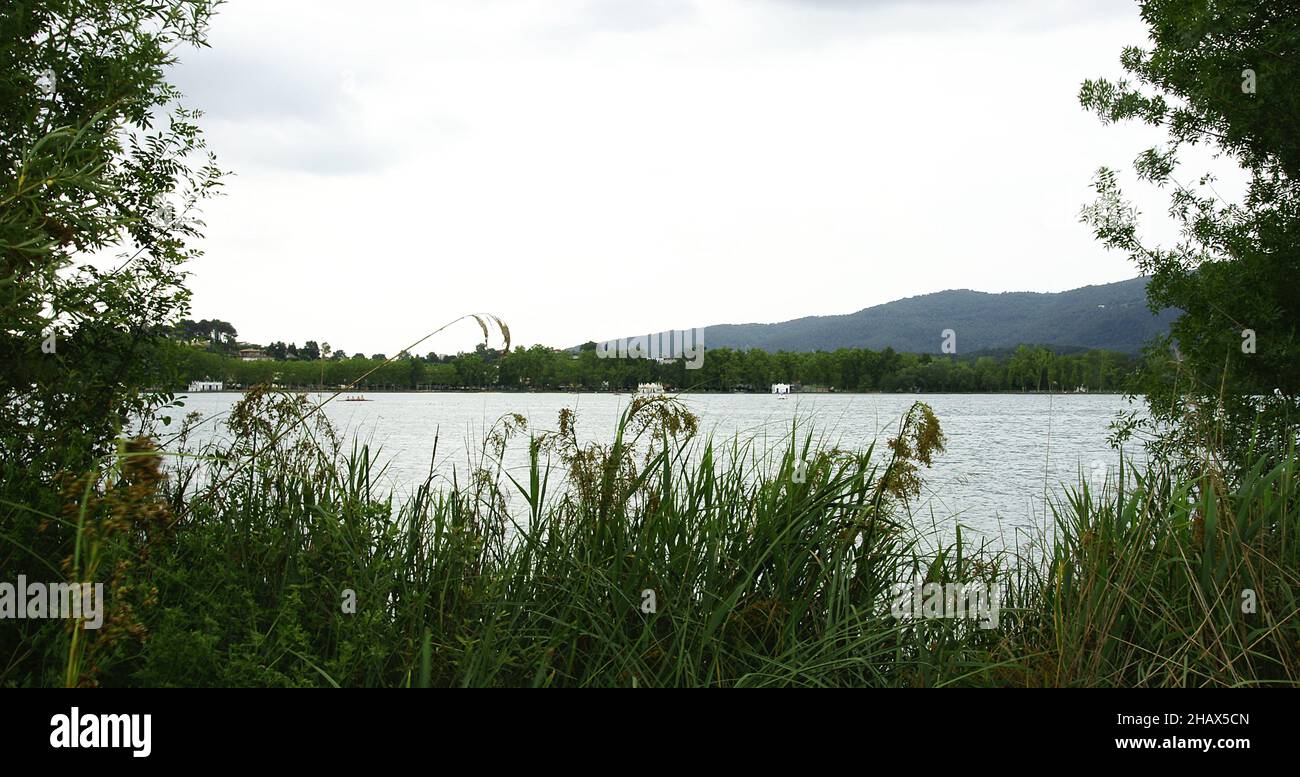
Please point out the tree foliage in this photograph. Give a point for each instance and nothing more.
(539, 368)
(101, 171)
(1224, 75)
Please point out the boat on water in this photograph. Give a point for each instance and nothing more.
(781, 390)
(649, 389)
(357, 398)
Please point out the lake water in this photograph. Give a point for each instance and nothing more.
(1004, 451)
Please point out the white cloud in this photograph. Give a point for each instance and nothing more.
(587, 169)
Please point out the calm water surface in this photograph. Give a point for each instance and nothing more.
(1004, 452)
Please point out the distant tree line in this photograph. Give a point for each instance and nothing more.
(1026, 368)
(212, 334)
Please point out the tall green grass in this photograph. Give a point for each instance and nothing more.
(761, 572)
(1161, 581)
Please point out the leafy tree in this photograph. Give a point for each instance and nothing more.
(220, 335)
(473, 370)
(84, 171)
(1227, 75)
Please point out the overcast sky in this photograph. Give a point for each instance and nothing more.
(587, 169)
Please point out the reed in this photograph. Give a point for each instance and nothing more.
(661, 558)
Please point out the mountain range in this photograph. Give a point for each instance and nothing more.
(1111, 316)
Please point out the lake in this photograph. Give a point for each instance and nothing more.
(1004, 451)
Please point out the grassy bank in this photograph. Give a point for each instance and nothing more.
(240, 568)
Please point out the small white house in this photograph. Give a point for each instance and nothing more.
(206, 385)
